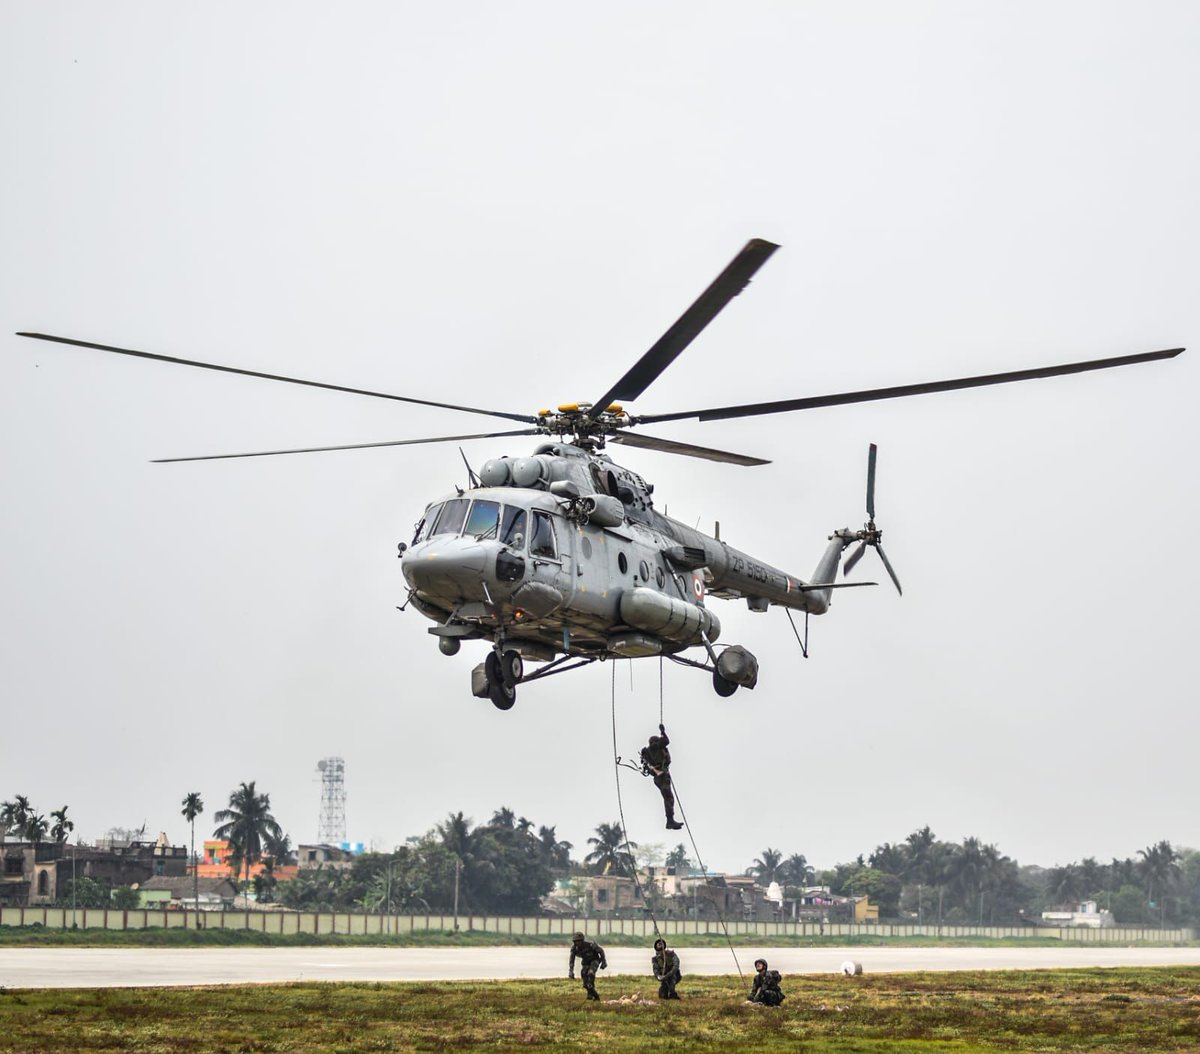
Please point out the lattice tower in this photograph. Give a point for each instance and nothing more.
(332, 827)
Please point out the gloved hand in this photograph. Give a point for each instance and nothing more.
(662, 729)
(604, 966)
(571, 975)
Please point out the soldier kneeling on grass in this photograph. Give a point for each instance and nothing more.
(666, 970)
(765, 989)
(591, 957)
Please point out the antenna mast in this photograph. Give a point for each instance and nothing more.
(332, 827)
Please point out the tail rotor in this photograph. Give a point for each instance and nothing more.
(871, 536)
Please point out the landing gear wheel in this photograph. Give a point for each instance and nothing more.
(512, 668)
(501, 694)
(722, 687)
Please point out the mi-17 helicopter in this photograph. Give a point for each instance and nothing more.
(561, 558)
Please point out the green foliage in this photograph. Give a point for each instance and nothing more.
(504, 868)
(125, 898)
(86, 893)
(248, 826)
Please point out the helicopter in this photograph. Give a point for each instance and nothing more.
(560, 558)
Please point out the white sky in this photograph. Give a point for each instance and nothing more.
(506, 205)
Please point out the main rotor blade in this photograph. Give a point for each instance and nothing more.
(853, 558)
(688, 327)
(785, 405)
(888, 565)
(276, 377)
(669, 446)
(871, 483)
(351, 446)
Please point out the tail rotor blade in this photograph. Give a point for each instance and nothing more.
(853, 558)
(871, 482)
(887, 564)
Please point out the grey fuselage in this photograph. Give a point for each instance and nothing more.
(568, 555)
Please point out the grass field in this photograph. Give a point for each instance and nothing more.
(41, 937)
(1043, 1011)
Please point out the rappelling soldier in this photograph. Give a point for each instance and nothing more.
(656, 762)
(765, 989)
(591, 958)
(665, 965)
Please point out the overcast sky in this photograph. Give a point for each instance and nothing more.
(506, 204)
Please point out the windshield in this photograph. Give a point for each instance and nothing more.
(484, 520)
(427, 522)
(513, 525)
(451, 519)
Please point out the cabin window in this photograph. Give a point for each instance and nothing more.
(425, 527)
(451, 519)
(484, 520)
(658, 577)
(541, 542)
(622, 563)
(644, 568)
(513, 526)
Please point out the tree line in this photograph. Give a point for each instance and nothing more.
(506, 865)
(928, 879)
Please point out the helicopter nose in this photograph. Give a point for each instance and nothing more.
(450, 568)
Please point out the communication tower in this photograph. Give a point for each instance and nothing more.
(332, 828)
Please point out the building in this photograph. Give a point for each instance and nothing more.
(1085, 914)
(212, 894)
(216, 861)
(41, 874)
(329, 856)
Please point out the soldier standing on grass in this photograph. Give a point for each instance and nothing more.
(765, 989)
(591, 957)
(666, 970)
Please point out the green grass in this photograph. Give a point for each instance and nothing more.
(1036, 1011)
(39, 936)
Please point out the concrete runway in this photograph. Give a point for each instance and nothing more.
(149, 967)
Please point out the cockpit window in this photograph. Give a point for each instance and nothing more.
(451, 519)
(512, 524)
(541, 543)
(427, 522)
(484, 520)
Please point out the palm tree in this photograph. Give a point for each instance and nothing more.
(556, 854)
(678, 858)
(62, 826)
(472, 848)
(193, 806)
(1159, 866)
(14, 815)
(504, 817)
(766, 867)
(611, 850)
(797, 871)
(36, 828)
(1065, 884)
(248, 826)
(8, 818)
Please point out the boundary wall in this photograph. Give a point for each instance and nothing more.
(293, 922)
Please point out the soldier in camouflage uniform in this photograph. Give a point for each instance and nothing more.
(766, 988)
(591, 956)
(656, 761)
(666, 970)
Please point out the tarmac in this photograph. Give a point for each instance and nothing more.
(164, 967)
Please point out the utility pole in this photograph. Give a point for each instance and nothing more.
(457, 869)
(389, 896)
(74, 920)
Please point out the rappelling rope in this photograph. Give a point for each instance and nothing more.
(621, 808)
(704, 871)
(687, 826)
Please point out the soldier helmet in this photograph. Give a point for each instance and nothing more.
(579, 937)
(655, 741)
(758, 962)
(660, 943)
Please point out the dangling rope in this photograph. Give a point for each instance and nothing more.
(621, 808)
(704, 871)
